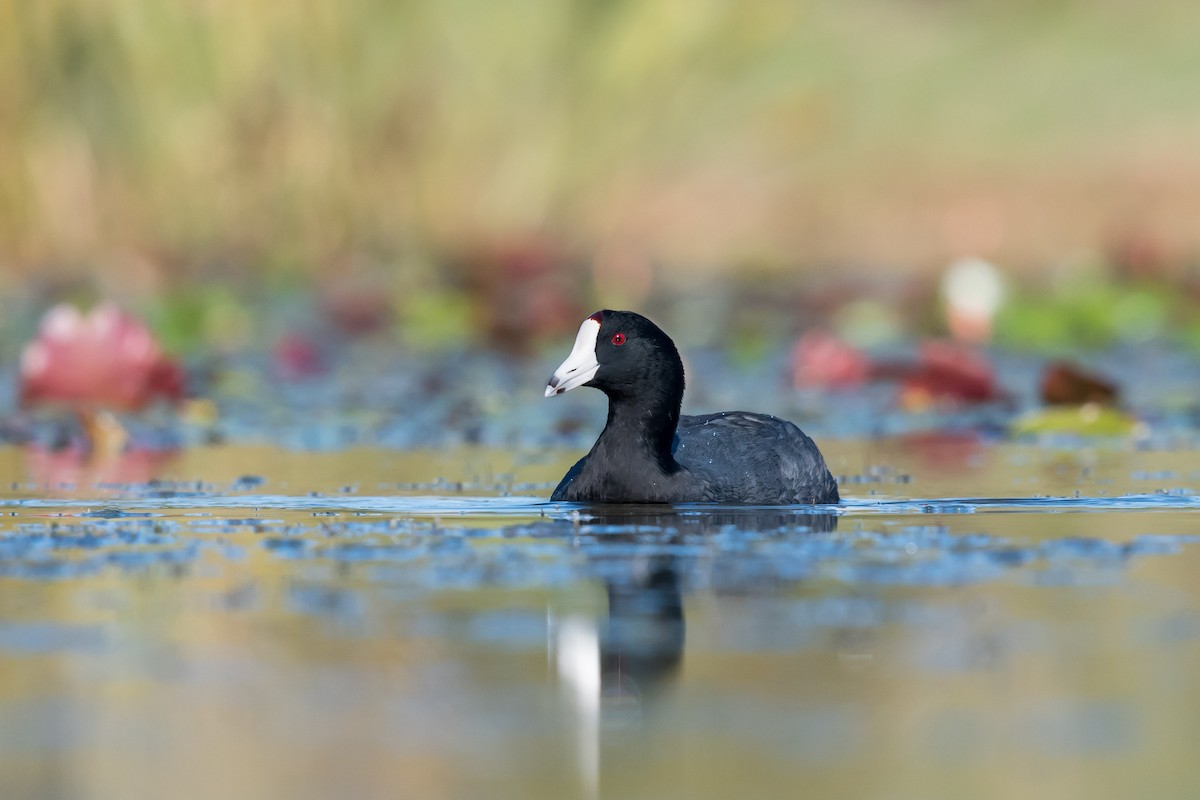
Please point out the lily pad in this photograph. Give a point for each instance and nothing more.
(1086, 420)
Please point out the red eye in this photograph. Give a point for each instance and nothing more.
(618, 339)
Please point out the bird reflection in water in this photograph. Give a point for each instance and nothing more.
(614, 670)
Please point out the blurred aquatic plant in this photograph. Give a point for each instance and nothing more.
(945, 375)
(820, 359)
(522, 289)
(437, 319)
(1090, 419)
(1079, 402)
(105, 359)
(203, 318)
(297, 357)
(1065, 384)
(96, 364)
(869, 322)
(973, 291)
(1088, 313)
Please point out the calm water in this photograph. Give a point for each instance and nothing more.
(976, 620)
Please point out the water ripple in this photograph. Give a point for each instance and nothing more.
(432, 506)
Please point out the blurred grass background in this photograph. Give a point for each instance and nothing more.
(153, 148)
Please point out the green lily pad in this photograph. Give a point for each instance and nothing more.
(1086, 420)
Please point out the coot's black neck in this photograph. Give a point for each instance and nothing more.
(642, 421)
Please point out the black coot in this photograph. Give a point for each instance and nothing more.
(648, 453)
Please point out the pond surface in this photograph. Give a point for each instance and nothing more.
(976, 620)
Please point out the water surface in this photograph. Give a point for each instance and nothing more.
(976, 620)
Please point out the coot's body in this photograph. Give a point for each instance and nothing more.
(649, 453)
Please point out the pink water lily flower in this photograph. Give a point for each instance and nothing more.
(821, 359)
(103, 360)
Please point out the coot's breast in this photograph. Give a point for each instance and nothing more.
(742, 457)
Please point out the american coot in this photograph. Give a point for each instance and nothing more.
(648, 453)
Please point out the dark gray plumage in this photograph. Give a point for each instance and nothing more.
(649, 453)
(741, 455)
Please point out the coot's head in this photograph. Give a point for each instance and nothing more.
(622, 354)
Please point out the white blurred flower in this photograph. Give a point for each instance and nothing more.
(973, 290)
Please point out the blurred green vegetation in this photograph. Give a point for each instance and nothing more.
(148, 144)
(1092, 313)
